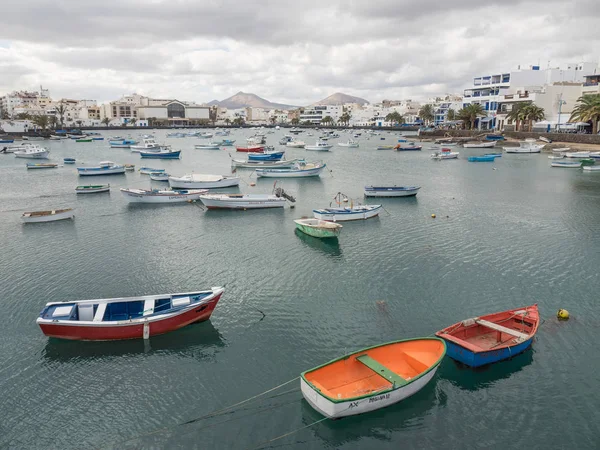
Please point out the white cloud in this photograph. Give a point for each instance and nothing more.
(292, 52)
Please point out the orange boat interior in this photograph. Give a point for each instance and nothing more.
(494, 331)
(377, 369)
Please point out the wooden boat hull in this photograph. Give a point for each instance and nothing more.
(320, 232)
(242, 202)
(92, 171)
(179, 183)
(41, 166)
(265, 156)
(390, 191)
(481, 158)
(289, 173)
(36, 155)
(566, 164)
(263, 164)
(161, 155)
(591, 168)
(345, 216)
(252, 149)
(522, 150)
(491, 338)
(489, 144)
(150, 197)
(62, 215)
(380, 391)
(149, 170)
(206, 147)
(130, 329)
(92, 189)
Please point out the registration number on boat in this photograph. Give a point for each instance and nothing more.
(379, 397)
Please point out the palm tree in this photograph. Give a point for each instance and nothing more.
(533, 113)
(470, 113)
(239, 121)
(106, 121)
(23, 116)
(451, 114)
(60, 110)
(395, 118)
(151, 121)
(426, 113)
(132, 122)
(53, 121)
(79, 123)
(295, 121)
(516, 113)
(212, 115)
(587, 109)
(272, 119)
(41, 121)
(227, 121)
(326, 120)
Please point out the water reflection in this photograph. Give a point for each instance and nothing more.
(327, 246)
(471, 379)
(377, 424)
(199, 341)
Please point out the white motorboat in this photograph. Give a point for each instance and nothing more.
(208, 146)
(148, 145)
(591, 168)
(320, 146)
(561, 150)
(299, 170)
(47, 216)
(32, 151)
(104, 168)
(482, 144)
(577, 154)
(203, 181)
(444, 154)
(296, 144)
(350, 144)
(158, 196)
(92, 189)
(526, 146)
(149, 170)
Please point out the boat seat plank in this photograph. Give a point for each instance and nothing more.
(100, 312)
(381, 370)
(148, 307)
(495, 326)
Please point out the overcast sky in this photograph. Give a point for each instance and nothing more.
(294, 52)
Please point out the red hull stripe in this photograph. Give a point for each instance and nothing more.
(200, 313)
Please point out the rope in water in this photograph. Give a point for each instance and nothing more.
(263, 444)
(218, 412)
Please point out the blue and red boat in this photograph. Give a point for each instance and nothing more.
(488, 339)
(128, 317)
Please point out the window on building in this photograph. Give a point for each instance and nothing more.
(175, 110)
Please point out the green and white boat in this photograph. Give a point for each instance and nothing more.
(92, 189)
(318, 228)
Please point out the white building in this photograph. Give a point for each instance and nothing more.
(489, 90)
(19, 102)
(315, 114)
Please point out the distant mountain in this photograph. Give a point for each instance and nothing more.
(243, 100)
(339, 99)
(213, 103)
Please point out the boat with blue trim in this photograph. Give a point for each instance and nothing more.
(163, 154)
(127, 317)
(104, 168)
(300, 169)
(491, 338)
(391, 191)
(483, 158)
(122, 143)
(266, 156)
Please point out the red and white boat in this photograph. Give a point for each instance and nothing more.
(251, 149)
(128, 317)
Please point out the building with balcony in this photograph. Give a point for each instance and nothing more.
(314, 114)
(489, 90)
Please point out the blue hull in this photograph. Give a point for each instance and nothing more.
(7, 141)
(479, 359)
(491, 137)
(174, 155)
(269, 157)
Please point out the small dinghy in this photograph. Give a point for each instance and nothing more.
(128, 317)
(391, 191)
(483, 158)
(92, 189)
(159, 176)
(162, 154)
(591, 168)
(47, 216)
(69, 160)
(41, 166)
(409, 147)
(483, 144)
(446, 153)
(566, 164)
(149, 170)
(104, 168)
(372, 378)
(264, 164)
(494, 337)
(266, 156)
(385, 147)
(157, 196)
(318, 228)
(299, 170)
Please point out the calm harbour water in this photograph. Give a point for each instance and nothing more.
(507, 234)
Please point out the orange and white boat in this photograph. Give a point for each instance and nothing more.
(372, 378)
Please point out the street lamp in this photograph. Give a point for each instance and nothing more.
(560, 103)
